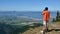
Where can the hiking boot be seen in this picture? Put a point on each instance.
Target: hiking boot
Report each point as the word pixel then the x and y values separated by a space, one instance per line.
pixel 46 30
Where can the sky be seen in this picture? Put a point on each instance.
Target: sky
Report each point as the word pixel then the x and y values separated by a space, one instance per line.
pixel 29 5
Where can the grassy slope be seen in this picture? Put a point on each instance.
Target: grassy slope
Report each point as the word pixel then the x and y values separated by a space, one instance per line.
pixel 54 30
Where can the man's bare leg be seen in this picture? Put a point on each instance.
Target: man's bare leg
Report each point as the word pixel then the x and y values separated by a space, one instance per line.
pixel 46 27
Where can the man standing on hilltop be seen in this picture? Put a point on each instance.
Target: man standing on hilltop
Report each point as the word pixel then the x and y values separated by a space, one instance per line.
pixel 46 17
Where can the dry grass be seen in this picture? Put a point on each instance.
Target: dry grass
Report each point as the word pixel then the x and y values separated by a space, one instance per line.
pixel 38 29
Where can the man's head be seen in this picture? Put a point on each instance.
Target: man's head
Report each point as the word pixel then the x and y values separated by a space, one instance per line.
pixel 46 8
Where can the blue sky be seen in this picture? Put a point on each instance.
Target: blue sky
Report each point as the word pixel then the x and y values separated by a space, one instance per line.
pixel 29 5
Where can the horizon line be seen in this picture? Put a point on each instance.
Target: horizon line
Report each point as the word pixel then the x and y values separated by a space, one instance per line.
pixel 34 11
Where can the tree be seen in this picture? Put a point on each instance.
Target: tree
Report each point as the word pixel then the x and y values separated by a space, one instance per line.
pixel 58 16
pixel 57 19
pixel 53 20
